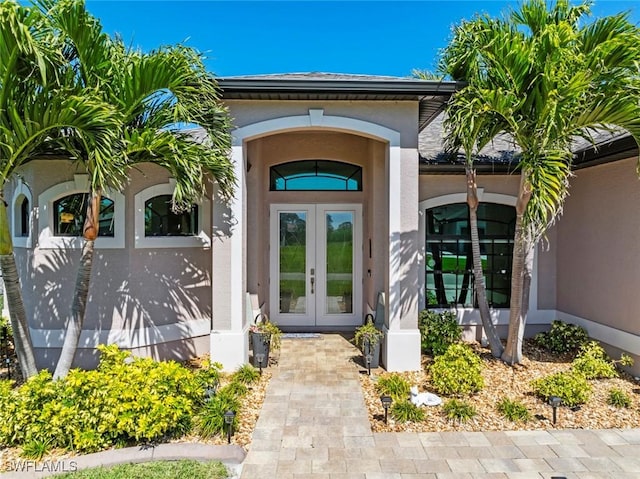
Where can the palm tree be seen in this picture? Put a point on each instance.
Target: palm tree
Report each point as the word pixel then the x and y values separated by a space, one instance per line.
pixel 35 108
pixel 542 77
pixel 453 144
pixel 159 95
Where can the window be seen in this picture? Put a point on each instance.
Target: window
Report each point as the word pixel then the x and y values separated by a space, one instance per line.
pixel 160 220
pixel 23 229
pixel 449 259
pixel 69 213
pixel 316 175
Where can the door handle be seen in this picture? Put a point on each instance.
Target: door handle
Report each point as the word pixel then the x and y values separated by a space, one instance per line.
pixel 313 279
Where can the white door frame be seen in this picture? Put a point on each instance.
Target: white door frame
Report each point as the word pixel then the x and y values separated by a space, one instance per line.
pixel 314 317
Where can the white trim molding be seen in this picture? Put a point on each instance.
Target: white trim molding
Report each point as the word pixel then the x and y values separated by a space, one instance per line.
pixel 22 191
pixel 80 184
pixel 201 240
pixel 125 338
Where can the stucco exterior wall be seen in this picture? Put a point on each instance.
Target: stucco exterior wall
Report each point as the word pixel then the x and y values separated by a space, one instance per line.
pixel 147 294
pixel 400 116
pixel 599 247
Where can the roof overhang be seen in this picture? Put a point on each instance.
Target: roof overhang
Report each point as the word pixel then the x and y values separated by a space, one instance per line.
pixel 431 95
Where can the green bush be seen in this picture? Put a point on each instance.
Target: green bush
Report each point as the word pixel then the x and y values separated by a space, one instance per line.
pixel 234 388
pixel 246 374
pixel 438 331
pixel 460 411
pixel 572 387
pixel 562 337
pixel 210 421
pixel 593 362
pixel 618 398
pixel 513 410
pixel 457 372
pixel 126 399
pixel 406 411
pixel 208 376
pixel 393 385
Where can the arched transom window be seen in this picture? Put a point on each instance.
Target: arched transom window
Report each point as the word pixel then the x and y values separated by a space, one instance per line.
pixel 316 175
pixel 449 259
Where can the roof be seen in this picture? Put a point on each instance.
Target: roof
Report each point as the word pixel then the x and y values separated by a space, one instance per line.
pixel 431 95
pixel 501 155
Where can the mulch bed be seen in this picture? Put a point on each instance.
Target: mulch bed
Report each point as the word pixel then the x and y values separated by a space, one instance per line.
pixel 501 381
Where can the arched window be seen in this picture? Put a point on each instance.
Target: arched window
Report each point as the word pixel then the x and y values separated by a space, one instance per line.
pixel 69 213
pixel 316 175
pixel 449 259
pixel 23 225
pixel 160 220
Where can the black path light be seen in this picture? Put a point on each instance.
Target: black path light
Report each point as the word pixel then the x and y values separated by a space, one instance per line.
pixel 554 402
pixel 228 420
pixel 386 403
pixel 368 358
pixel 260 359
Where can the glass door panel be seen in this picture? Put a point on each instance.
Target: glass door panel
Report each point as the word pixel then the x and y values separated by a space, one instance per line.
pixel 339 262
pixel 293 253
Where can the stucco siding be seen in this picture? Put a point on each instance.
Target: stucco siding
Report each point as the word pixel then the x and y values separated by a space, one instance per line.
pixel 599 247
pixel 399 116
pixel 135 290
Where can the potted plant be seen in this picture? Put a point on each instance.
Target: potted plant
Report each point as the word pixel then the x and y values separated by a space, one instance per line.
pixel 265 337
pixel 367 338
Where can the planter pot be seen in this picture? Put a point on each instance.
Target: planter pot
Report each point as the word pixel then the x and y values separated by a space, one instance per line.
pixel 261 343
pixel 375 351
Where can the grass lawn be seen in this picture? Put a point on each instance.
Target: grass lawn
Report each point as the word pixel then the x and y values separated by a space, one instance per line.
pixel 155 470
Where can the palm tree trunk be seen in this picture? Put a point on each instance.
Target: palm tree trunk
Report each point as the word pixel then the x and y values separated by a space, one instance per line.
pixel 521 245
pixel 481 293
pixel 13 295
pixel 81 293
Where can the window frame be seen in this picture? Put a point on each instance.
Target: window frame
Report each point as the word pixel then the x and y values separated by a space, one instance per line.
pixel 197 222
pixel 357 172
pixel 448 199
pixel 80 184
pixel 200 240
pixel 21 192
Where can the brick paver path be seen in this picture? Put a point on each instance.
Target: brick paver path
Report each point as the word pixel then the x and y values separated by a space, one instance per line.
pixel 314 425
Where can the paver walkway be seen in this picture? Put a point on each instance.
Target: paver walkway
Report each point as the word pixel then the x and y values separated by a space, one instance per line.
pixel 314 425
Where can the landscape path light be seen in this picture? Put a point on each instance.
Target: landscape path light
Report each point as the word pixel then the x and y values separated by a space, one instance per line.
pixel 386 403
pixel 228 420
pixel 260 359
pixel 554 402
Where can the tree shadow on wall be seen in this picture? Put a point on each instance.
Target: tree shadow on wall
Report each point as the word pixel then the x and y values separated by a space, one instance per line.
pixel 151 300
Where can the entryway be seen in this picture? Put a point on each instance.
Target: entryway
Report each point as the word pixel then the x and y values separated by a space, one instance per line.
pixel 316 265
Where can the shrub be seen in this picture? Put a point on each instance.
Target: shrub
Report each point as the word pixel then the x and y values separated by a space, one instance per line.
pixel 126 399
pixel 618 398
pixel 570 386
pixel 208 376
pixel 406 411
pixel 438 331
pixel 513 410
pixel 210 421
pixel 35 449
pixel 562 337
pixel 457 372
pixel 393 385
pixel 234 388
pixel 460 411
pixel 593 363
pixel 246 374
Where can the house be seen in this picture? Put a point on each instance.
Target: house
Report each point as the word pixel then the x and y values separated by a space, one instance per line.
pixel 345 206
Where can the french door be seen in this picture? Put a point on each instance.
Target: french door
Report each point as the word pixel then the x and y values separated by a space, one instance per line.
pixel 316 265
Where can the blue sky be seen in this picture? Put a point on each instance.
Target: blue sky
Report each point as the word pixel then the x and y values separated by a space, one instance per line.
pixel 242 37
